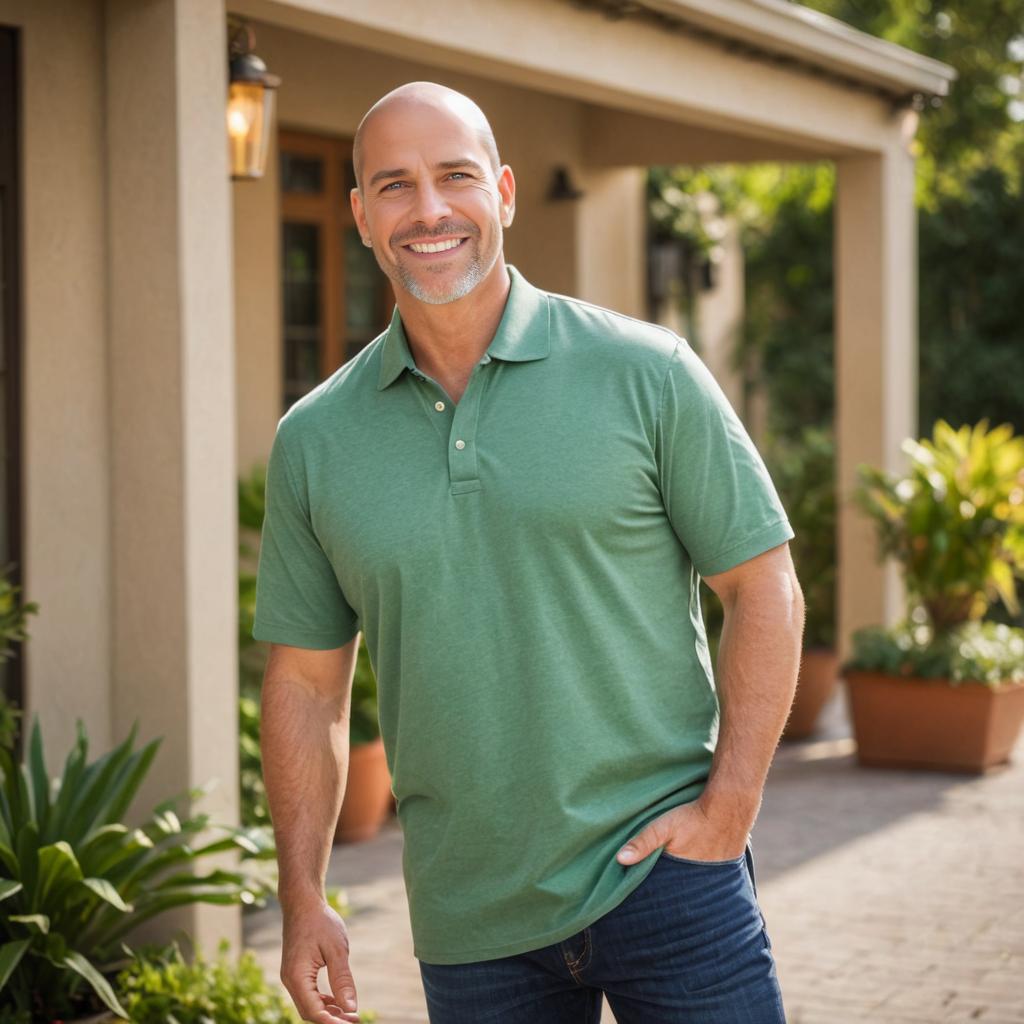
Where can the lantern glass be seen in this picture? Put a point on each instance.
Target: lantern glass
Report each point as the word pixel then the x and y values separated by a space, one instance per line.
pixel 249 116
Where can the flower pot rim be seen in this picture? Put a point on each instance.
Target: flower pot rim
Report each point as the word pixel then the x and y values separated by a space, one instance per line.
pixel 1003 684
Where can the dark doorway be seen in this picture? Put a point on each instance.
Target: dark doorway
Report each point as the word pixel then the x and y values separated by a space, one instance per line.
pixel 11 676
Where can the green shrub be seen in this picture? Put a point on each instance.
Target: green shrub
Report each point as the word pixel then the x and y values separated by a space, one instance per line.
pixel 982 652
pixel 74 880
pixel 161 987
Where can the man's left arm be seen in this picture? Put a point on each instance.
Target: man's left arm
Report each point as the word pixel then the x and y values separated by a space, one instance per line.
pixel 758 660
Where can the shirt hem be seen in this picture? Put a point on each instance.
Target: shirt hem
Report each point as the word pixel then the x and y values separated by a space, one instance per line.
pixel 641 871
pixel 769 536
pixel 272 633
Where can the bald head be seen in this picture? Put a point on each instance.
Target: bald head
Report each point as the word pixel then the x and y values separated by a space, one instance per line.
pixel 429 95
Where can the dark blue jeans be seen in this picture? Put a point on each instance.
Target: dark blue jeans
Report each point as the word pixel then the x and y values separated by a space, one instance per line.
pixel 687 945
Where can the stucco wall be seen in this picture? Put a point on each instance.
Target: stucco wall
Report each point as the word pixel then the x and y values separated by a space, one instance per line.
pixel 592 248
pixel 67 545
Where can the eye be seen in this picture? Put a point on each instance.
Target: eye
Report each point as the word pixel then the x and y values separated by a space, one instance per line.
pixel 392 186
pixel 458 174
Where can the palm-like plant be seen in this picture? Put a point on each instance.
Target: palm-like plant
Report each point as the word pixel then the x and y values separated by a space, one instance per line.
pixel 955 521
pixel 74 880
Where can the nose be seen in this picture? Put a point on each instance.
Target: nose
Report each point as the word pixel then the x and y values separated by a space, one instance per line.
pixel 431 205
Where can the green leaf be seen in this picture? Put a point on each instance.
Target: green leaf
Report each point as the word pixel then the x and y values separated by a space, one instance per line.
pixel 58 871
pixel 80 965
pixel 70 781
pixel 40 922
pixel 27 852
pixel 102 888
pixel 10 956
pixel 8 887
pixel 39 779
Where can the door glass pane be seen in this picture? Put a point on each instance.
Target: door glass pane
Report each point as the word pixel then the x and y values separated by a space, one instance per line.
pixel 365 294
pixel 302 174
pixel 303 325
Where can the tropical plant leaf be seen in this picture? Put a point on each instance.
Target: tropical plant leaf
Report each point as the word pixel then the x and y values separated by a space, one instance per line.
pixel 10 956
pixel 106 892
pixel 8 887
pixel 40 922
pixel 81 965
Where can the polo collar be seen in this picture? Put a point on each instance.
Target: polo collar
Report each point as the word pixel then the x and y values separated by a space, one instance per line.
pixel 522 334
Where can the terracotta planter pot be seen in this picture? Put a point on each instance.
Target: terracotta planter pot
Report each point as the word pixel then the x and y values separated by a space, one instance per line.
pixel 815 683
pixel 367 794
pixel 905 722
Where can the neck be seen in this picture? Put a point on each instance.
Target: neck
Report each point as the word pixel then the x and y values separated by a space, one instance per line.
pixel 447 341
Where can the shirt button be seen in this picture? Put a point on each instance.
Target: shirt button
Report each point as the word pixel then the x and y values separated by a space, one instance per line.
pixel 439 406
pixel 460 444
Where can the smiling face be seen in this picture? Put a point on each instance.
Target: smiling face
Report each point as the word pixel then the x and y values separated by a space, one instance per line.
pixel 430 200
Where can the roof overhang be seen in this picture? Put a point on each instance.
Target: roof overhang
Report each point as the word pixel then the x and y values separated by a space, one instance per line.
pixel 783 32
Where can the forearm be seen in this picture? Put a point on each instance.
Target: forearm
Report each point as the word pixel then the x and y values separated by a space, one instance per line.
pixel 758 660
pixel 304 742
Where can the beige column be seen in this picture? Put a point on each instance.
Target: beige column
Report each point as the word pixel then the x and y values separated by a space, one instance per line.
pixel 611 260
pixel 876 362
pixel 173 407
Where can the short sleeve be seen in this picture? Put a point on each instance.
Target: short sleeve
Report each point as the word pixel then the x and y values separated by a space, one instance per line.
pixel 717 491
pixel 298 599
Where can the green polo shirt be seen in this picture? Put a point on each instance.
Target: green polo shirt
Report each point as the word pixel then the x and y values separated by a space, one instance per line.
pixel 525 567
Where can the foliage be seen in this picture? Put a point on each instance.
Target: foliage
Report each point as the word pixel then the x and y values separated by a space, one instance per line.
pixel 9 715
pixel 13 615
pixel 982 652
pixel 364 722
pixel 972 277
pixel 804 473
pixel 954 521
pixel 254 808
pixel 251 507
pixel 74 879
pixel 160 986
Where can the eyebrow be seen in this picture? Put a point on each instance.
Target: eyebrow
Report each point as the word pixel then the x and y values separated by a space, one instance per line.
pixel 444 165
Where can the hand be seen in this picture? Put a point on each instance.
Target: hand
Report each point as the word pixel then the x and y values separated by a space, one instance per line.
pixel 686 831
pixel 315 936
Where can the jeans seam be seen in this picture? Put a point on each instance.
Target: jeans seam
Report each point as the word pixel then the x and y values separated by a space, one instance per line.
pixel 577 965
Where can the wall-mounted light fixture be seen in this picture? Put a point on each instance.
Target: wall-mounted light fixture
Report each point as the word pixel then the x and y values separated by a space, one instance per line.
pixel 562 186
pixel 250 111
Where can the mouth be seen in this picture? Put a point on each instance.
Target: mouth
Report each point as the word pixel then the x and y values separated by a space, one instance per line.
pixel 436 247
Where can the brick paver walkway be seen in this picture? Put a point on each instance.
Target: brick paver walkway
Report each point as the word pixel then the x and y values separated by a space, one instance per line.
pixel 892 897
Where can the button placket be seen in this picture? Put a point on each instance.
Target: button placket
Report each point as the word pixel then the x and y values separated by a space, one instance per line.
pixel 462 461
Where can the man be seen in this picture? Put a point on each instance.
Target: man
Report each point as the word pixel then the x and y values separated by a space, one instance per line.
pixel 514 496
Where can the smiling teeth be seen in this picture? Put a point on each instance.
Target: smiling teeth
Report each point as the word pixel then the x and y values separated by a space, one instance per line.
pixel 435 246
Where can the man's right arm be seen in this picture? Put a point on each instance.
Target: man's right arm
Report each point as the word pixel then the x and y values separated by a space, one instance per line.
pixel 304 742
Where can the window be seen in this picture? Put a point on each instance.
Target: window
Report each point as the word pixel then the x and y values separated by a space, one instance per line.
pixel 335 298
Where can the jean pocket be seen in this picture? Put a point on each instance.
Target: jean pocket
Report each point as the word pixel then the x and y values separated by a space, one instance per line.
pixel 704 863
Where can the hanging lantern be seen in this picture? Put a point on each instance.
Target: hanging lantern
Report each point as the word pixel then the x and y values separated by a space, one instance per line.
pixel 250 107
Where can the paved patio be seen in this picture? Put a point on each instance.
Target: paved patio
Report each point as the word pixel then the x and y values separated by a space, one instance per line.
pixel 892 897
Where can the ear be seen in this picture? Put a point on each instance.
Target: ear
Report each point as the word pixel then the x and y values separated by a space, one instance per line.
pixel 507 196
pixel 359 213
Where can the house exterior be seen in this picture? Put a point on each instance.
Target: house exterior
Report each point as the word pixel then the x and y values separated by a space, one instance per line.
pixel 157 317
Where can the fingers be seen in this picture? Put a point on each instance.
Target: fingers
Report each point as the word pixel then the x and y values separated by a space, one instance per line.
pixel 313 1005
pixel 341 981
pixel 331 1006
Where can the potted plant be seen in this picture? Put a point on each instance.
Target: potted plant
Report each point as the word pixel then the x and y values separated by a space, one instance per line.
pixel 368 795
pixel 804 473
pixel 944 688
